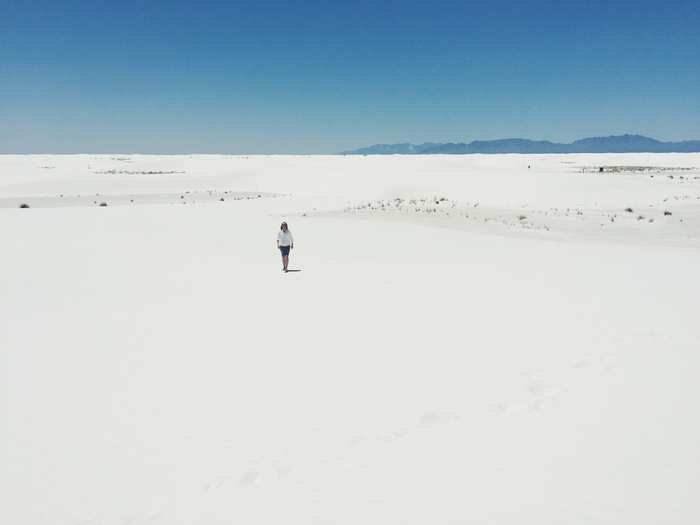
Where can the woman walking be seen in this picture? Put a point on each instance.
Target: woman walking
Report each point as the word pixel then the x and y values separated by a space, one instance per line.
pixel 285 242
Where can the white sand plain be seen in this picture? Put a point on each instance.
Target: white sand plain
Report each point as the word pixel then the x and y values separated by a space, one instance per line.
pixel 469 340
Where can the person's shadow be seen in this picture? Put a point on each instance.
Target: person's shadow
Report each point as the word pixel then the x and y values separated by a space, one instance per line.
pixel 290 271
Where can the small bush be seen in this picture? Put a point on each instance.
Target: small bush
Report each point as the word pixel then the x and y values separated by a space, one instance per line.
pixel 667 213
pixel 629 210
pixel 24 205
pixel 521 217
pixel 103 204
pixel 221 199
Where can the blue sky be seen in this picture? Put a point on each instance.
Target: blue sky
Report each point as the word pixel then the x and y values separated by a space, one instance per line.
pixel 320 77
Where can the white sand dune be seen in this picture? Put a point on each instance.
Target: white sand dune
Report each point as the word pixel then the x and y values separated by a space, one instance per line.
pixel 423 367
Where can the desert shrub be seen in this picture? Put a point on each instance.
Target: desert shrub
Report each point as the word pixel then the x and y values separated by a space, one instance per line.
pixel 103 204
pixel 24 205
pixel 667 213
pixel 521 217
pixel 629 210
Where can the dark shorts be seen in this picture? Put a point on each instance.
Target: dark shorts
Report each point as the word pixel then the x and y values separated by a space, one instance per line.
pixel 284 250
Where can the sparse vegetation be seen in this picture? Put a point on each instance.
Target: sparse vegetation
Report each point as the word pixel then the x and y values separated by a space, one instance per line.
pixel 127 172
pixel 633 169
pixel 24 205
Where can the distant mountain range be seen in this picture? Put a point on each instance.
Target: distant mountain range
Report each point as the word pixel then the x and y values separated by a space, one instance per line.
pixel 611 144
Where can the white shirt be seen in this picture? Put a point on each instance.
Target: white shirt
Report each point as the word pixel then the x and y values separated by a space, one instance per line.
pixel 285 238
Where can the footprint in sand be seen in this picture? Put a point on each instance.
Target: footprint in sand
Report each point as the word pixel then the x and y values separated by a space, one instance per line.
pixel 249 478
pixel 433 417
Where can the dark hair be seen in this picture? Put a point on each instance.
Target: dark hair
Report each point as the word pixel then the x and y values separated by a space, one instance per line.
pixel 283 225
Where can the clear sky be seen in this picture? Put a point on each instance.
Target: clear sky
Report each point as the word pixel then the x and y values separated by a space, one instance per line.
pixel 226 76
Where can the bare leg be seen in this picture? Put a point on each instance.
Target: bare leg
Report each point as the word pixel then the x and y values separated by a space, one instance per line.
pixel 285 262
